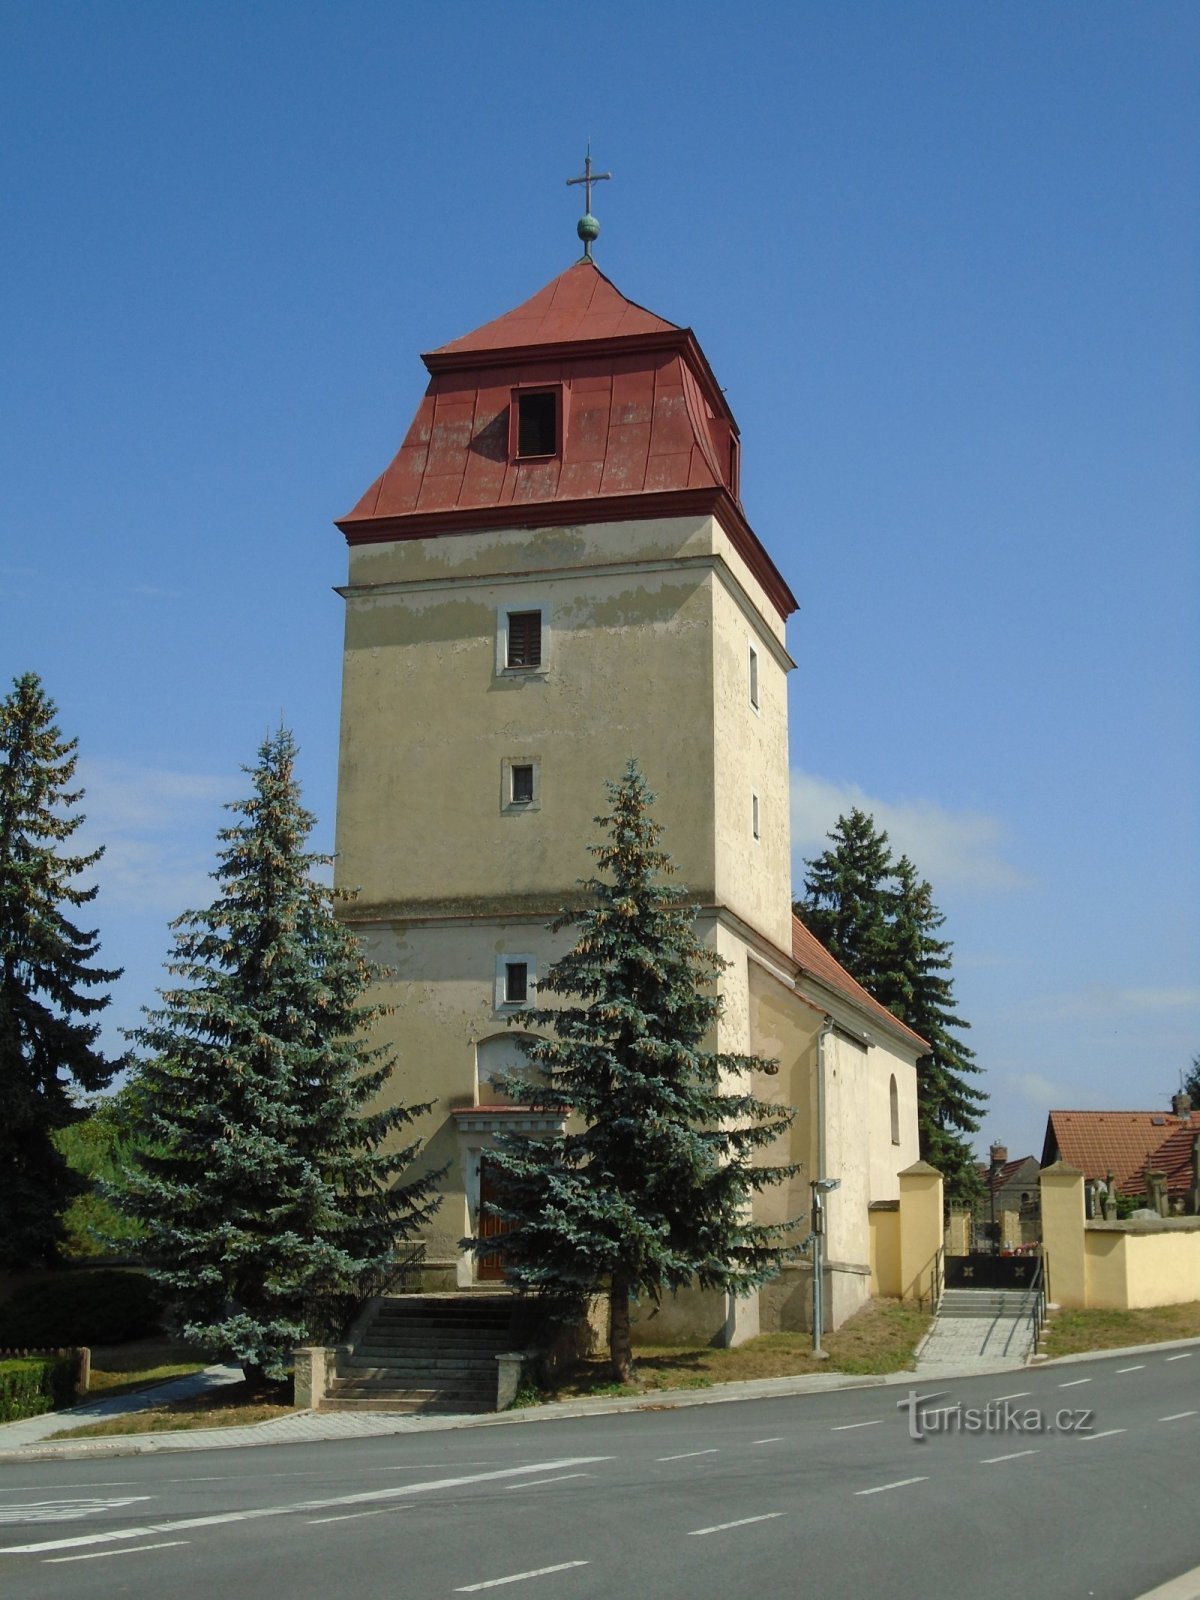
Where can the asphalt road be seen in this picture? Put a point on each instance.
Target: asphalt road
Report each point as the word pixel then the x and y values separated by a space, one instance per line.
pixel 825 1495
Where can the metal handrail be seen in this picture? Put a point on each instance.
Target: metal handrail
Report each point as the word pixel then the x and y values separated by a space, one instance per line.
pixel 1038 1290
pixel 939 1277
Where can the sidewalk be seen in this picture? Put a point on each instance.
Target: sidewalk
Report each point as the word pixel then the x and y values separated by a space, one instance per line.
pixel 311 1426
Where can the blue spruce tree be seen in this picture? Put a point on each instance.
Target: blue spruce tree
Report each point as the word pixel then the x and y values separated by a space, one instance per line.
pixel 264 1182
pixel 650 1189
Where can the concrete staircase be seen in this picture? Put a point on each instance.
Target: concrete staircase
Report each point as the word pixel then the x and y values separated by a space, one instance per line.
pixel 980 1328
pixel 423 1353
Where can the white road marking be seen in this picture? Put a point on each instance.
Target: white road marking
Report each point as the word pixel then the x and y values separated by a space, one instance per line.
pixel 33 1488
pixel 1185 1355
pixel 1107 1434
pixel 777 1440
pixel 920 1399
pixel 688 1454
pixel 1074 1383
pixel 353 1516
pixel 1178 1416
pixel 1139 1368
pixel 536 1482
pixel 900 1483
pixel 990 1461
pixel 66 1510
pixel 519 1577
pixel 96 1555
pixel 845 1427
pixel 1021 1394
pixel 1185 1587
pixel 364 1497
pixel 742 1522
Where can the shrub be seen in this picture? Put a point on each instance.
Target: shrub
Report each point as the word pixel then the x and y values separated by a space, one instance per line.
pixel 32 1385
pixel 80 1308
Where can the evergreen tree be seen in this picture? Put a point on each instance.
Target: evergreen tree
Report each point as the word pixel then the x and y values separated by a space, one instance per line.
pixel 650 1188
pixel 99 1147
pixel 47 1035
pixel 1191 1083
pixel 849 901
pixel 876 916
pixel 263 1184
pixel 921 994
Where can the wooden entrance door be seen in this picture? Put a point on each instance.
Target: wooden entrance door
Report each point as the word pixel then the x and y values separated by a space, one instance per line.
pixel 490 1269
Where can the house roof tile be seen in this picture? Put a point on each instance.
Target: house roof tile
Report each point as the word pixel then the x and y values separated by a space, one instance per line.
pixel 1100 1142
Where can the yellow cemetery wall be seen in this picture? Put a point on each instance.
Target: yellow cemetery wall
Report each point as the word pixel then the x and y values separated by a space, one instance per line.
pixel 885 1250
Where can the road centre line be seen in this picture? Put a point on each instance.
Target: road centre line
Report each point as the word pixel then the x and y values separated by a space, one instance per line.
pixel 95 1555
pixel 777 1440
pixel 845 1427
pixel 687 1454
pixel 900 1483
pixel 1074 1383
pixel 1185 1587
pixel 363 1497
pixel 990 1461
pixel 537 1482
pixel 920 1399
pixel 742 1522
pixel 1086 1438
pixel 1184 1355
pixel 1178 1416
pixel 42 1488
pixel 1021 1394
pixel 1139 1368
pixel 518 1577
pixel 353 1516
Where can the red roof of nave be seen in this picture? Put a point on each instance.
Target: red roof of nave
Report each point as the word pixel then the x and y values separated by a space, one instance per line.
pixel 648 432
pixel 808 952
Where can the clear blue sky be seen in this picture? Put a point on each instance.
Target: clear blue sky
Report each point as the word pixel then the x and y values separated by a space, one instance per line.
pixel 944 258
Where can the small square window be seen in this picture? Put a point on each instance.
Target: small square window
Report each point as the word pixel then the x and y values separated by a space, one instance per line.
pixel 524 639
pixel 754 677
pixel 522 785
pixel 537 422
pixel 754 814
pixel 516 983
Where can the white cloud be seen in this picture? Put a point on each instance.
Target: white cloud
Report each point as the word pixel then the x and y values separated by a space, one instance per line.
pixel 158 829
pixel 953 849
pixel 1043 1093
pixel 1099 1000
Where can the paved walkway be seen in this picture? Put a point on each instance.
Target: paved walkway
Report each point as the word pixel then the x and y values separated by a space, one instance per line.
pixel 31 1430
pixel 983 1343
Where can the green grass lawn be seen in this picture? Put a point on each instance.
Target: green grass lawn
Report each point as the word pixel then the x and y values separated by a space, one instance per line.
pixel 881 1338
pixel 122 1368
pixel 230 1406
pixel 1071 1333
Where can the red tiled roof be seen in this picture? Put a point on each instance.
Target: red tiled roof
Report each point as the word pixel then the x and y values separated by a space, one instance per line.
pixel 1100 1142
pixel 808 952
pixel 647 430
pixel 1173 1158
pixel 1003 1175
pixel 581 303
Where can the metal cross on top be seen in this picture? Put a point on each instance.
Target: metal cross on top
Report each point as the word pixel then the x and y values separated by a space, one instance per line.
pixel 587 227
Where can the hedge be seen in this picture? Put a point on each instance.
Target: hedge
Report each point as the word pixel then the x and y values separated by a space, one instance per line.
pixel 80 1308
pixel 31 1385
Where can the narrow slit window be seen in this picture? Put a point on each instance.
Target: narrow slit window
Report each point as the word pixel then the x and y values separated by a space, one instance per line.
pixel 754 814
pixel 894 1109
pixel 537 423
pixel 524 639
pixel 754 677
pixel 522 785
pixel 516 983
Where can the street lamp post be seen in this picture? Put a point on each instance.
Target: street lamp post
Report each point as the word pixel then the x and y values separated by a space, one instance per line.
pixel 820 1188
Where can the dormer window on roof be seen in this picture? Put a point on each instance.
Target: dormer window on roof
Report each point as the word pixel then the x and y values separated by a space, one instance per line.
pixel 535 425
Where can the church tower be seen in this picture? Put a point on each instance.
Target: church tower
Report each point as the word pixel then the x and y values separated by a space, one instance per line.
pixel 554 574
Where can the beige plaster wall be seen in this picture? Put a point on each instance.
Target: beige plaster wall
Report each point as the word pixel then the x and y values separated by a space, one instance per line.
pixel 1133 1266
pixel 428 721
pixel 784 1029
pixel 753 875
pixel 885 1251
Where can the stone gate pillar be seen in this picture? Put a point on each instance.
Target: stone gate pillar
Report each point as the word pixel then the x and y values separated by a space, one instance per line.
pixel 920 1230
pixel 1062 1234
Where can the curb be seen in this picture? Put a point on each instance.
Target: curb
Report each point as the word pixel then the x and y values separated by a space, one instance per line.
pixel 566 1410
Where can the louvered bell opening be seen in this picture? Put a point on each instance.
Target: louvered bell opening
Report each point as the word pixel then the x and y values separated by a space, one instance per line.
pixel 524 639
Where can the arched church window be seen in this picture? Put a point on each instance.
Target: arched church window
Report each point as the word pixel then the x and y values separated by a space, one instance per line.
pixel 894 1108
